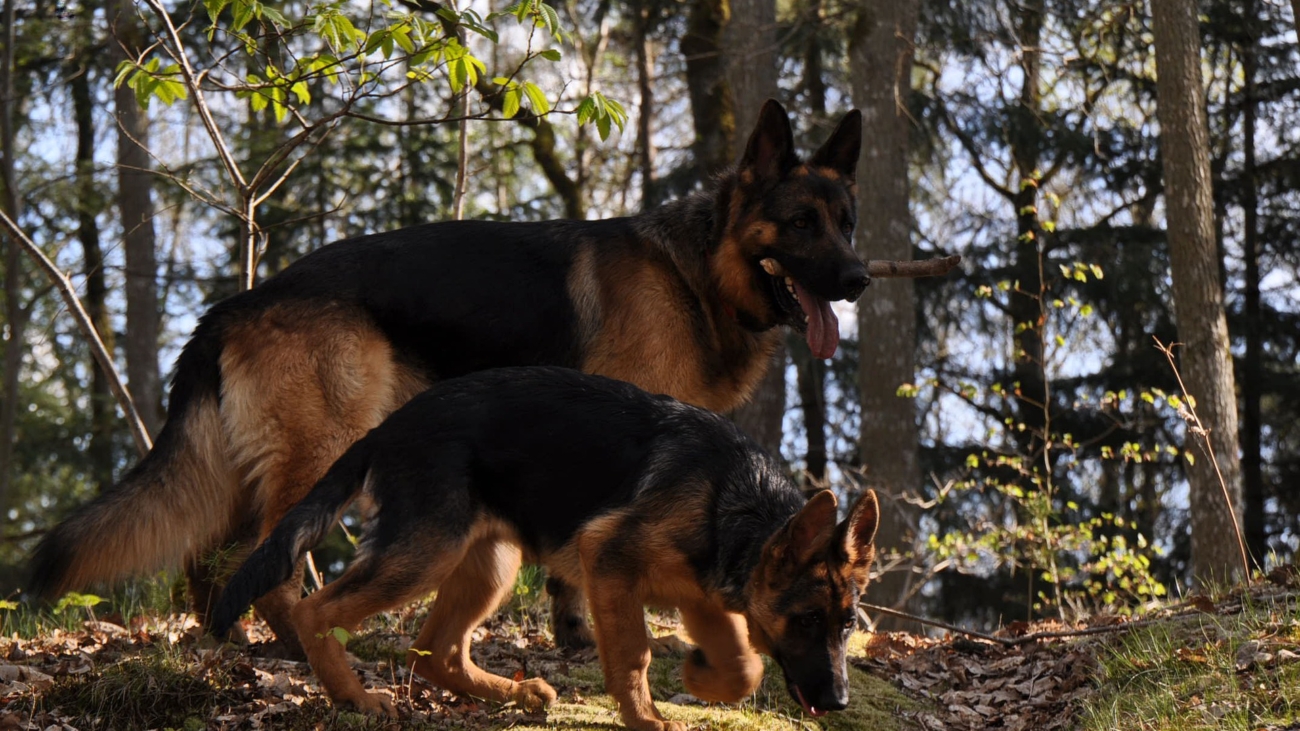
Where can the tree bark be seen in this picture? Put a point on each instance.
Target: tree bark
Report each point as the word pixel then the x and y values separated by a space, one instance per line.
pixel 645 150
pixel 1026 301
pixel 135 205
pixel 15 314
pixel 811 375
pixel 880 63
pixel 1252 472
pixel 100 449
pixel 1198 299
pixel 749 42
pixel 712 107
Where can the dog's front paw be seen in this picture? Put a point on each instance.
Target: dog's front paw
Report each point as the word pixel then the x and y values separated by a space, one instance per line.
pixel 376 704
pixel 653 724
pixel 727 684
pixel 534 694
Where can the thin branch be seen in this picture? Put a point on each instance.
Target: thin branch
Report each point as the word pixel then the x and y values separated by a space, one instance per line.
pixel 68 292
pixel 1194 424
pixel 200 101
pixel 1033 637
pixel 936 267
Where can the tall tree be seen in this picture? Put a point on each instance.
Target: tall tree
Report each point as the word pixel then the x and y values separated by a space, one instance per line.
pixel 750 50
pixel 1252 385
pixel 712 106
pixel 880 58
pixel 89 204
pixel 1198 296
pixel 135 205
pixel 16 315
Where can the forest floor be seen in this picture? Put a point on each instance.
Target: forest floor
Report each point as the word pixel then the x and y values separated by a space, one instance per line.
pixel 1230 662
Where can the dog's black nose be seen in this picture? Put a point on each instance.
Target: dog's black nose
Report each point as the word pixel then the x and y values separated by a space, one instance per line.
pixel 833 698
pixel 854 280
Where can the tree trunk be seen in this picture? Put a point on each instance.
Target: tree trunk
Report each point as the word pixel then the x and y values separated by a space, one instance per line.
pixel 15 314
pixel 1198 300
pixel 813 84
pixel 880 62
pixel 750 53
pixel 811 374
pixel 1252 472
pixel 645 150
pixel 100 449
pixel 1026 302
pixel 711 103
pixel 135 204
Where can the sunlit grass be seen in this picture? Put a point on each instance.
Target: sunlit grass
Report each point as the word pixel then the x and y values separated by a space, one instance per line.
pixel 1183 675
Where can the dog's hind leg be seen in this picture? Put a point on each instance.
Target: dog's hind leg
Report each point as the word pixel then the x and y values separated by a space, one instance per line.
pixel 465 598
pixel 723 668
pixel 300 385
pixel 402 572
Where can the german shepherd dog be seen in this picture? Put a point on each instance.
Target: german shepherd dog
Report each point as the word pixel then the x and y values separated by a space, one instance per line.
pixel 638 499
pixel 277 382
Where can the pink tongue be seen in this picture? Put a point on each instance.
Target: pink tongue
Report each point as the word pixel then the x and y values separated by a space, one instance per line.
pixel 823 325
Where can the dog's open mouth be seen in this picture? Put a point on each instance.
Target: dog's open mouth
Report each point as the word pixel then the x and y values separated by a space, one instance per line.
pixel 808 313
pixel 808 708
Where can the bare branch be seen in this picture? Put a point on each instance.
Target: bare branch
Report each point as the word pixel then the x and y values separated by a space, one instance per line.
pixel 937 267
pixel 66 290
pixel 178 54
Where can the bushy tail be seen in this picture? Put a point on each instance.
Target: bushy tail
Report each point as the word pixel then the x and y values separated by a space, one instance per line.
pixel 272 563
pixel 179 499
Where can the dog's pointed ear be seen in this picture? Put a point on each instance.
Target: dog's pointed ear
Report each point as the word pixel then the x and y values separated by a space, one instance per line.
pixel 810 528
pixel 857 536
pixel 842 149
pixel 770 152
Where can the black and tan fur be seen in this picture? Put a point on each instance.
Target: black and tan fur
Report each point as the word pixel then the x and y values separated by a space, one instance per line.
pixel 638 499
pixel 276 382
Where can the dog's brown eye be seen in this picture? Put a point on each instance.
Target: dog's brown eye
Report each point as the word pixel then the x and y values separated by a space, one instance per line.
pixel 801 222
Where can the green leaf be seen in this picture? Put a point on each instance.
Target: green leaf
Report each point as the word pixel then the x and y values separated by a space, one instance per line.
pixel 123 68
pixel 301 91
pixel 403 38
pixel 551 20
pixel 341 635
pixel 510 101
pixel 550 54
pixel 586 109
pixel 214 8
pixel 242 11
pixel 73 599
pixel 275 16
pixel 376 39
pixel 6 604
pixel 537 98
pixel 277 103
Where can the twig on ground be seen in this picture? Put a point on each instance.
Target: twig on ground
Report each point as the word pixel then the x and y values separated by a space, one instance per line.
pixel 1034 637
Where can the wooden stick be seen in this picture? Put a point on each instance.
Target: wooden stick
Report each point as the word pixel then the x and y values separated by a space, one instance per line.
pixel 936 267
